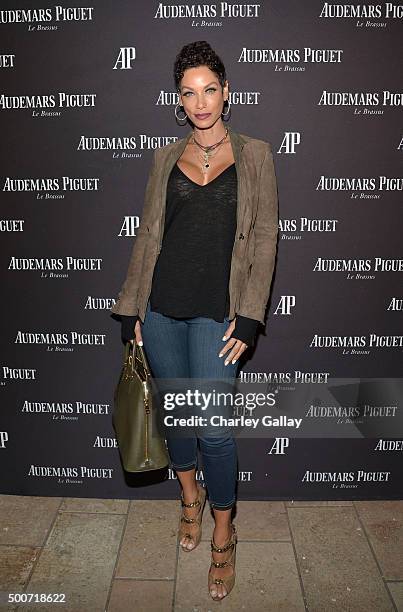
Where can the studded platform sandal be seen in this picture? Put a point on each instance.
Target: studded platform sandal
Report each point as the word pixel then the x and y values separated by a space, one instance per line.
pixel 197 520
pixel 228 581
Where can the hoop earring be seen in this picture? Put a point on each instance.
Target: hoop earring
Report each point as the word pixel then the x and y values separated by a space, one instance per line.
pixel 228 110
pixel 178 119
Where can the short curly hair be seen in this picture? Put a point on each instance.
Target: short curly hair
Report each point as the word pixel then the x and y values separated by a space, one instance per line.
pixel 198 53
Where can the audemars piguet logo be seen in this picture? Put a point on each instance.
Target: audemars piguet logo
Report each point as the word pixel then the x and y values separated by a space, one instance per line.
pixel 3 439
pixel 124 146
pixel 364 102
pixel 102 442
pixel 279 446
pixel 288 60
pixel 366 15
pixel 55 267
pixel 236 98
pixel 242 476
pixel 361 184
pixel 35 17
pixel 389 445
pixel 60 341
pixel 65 411
pixel 98 303
pixel 293 229
pixel 53 188
pixel 346 480
pixel 225 10
pixel 41 105
pixel 374 265
pixel 7 60
pixel 357 345
pixel 12 225
pixel 297 376
pixel 70 474
pixel 19 374
pixel 395 304
pixel 129 226
pixel 389 10
pixel 349 414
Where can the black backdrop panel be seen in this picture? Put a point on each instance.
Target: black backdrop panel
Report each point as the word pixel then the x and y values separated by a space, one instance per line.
pixel 86 94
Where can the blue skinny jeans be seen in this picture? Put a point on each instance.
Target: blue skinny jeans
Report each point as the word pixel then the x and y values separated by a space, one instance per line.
pixel 188 348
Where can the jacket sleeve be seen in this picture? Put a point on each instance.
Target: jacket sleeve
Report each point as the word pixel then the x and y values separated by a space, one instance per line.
pixel 256 294
pixel 126 302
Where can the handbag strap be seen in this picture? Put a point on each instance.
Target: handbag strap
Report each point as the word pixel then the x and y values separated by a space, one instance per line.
pixel 136 352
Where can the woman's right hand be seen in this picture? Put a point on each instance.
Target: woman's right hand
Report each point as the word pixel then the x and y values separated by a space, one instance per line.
pixel 131 330
pixel 137 334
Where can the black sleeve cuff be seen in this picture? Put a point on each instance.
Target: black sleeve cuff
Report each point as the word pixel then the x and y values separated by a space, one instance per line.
pixel 127 327
pixel 245 329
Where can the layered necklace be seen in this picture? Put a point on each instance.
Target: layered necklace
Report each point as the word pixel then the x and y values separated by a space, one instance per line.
pixel 207 152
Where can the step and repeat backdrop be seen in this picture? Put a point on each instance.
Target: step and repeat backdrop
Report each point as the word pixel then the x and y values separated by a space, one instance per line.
pixel 86 95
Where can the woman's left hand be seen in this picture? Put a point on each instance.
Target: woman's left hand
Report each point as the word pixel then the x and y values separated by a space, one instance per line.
pixel 237 346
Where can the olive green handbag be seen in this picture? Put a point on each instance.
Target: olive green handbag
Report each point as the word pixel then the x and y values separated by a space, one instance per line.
pixel 141 446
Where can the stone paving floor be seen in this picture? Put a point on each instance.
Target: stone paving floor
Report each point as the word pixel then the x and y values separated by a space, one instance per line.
pixel 122 555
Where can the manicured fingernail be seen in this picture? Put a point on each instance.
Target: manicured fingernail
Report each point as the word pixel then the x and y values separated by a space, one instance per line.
pixel 224 337
pixel 220 355
pixel 226 363
pixel 140 343
pixel 233 361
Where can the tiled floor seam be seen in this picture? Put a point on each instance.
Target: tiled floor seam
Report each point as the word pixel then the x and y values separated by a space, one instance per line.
pixel 347 504
pixel 117 556
pixel 97 513
pixel 241 540
pixel 385 582
pixel 49 531
pixel 141 579
pixel 176 565
pixel 301 584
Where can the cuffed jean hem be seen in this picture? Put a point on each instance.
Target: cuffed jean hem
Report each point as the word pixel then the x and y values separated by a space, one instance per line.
pixel 183 468
pixel 221 506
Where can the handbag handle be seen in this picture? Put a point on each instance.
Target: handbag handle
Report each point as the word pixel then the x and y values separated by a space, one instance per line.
pixel 136 352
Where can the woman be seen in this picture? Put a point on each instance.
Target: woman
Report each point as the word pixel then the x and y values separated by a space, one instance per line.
pixel 199 276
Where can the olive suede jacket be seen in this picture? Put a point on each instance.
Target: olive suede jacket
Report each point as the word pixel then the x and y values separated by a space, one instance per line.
pixel 255 244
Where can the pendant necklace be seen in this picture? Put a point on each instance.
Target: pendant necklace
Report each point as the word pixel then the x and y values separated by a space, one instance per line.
pixel 208 151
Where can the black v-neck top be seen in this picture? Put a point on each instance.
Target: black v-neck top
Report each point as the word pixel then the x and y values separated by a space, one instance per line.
pixel 191 275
